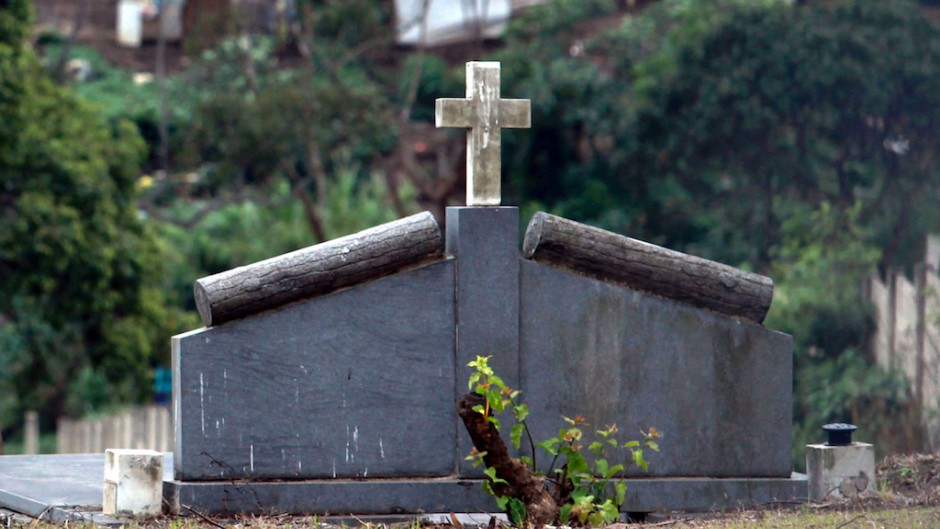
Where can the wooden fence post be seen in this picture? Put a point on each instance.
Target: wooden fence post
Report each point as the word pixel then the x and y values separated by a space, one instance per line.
pixel 920 283
pixel 60 436
pixel 145 427
pixel 31 434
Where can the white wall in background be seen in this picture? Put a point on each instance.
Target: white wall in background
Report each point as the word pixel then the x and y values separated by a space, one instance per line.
pixel 449 20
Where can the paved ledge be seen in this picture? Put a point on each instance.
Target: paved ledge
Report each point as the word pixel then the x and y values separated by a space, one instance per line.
pixel 59 488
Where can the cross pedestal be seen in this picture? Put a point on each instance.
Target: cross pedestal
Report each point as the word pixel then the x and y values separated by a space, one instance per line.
pixel 485 114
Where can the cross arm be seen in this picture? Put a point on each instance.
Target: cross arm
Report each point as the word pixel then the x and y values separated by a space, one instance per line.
pixel 450 112
pixel 515 113
pixel 458 113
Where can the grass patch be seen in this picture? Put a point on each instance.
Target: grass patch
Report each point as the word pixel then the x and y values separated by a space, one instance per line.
pixel 807 517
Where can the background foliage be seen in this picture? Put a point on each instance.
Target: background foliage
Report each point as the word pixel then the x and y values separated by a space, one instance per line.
pixel 793 139
pixel 81 312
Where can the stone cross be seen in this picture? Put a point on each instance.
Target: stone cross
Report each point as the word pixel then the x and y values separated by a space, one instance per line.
pixel 484 113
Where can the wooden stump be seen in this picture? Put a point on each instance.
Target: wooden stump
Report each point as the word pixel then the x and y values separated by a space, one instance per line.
pixel 541 508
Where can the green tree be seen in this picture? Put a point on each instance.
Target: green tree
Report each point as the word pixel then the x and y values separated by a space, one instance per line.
pixel 296 129
pixel 775 105
pixel 303 125
pixel 80 308
pixel 701 125
pixel 563 162
pixel 795 139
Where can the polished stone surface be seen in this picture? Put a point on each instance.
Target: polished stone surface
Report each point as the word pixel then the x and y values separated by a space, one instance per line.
pixel 354 384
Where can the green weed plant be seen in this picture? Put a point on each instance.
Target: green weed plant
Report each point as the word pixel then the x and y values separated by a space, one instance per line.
pixel 590 492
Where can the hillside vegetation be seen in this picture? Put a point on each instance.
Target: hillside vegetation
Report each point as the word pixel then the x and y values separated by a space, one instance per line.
pixel 794 139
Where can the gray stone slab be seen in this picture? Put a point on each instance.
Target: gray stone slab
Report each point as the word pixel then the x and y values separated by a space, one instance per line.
pixel 69 487
pixel 358 383
pixel 58 488
pixel 337 497
pixel 718 389
pixel 709 495
pixel 376 497
pixel 485 241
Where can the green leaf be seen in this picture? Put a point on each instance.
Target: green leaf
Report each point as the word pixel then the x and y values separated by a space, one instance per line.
pixel 613 471
pixel 550 446
pixel 653 445
pixel 496 402
pixel 601 466
pixel 596 447
pixel 491 473
pixel 517 512
pixel 495 422
pixel 521 411
pixel 639 460
pixel 596 519
pixel 620 488
pixel 576 463
pixel 515 435
pixel 611 512
pixel 502 502
pixel 631 444
pixel 579 494
pixel 564 514
pixel 498 382
pixel 488 488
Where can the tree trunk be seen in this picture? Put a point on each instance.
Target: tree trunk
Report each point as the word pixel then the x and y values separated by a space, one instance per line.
pixel 523 485
pixel 646 267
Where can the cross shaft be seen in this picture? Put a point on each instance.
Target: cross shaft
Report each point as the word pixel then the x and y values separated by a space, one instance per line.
pixel 485 114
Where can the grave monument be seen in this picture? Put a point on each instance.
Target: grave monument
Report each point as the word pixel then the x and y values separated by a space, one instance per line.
pixel 325 380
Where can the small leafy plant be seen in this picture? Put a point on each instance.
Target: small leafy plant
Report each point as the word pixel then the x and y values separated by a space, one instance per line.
pixel 586 493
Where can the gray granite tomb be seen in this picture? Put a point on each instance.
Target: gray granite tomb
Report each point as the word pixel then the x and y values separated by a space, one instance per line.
pixel 325 380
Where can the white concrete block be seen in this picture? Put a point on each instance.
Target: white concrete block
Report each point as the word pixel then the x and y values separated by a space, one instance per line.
pixel 841 472
pixel 133 482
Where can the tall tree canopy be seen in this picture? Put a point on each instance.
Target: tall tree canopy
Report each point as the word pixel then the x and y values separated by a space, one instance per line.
pixel 776 107
pixel 80 314
pixel 705 125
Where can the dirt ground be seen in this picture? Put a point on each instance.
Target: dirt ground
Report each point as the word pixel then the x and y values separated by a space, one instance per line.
pixel 913 479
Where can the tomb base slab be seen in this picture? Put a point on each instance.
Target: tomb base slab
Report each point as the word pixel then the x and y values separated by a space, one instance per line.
pixel 375 496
